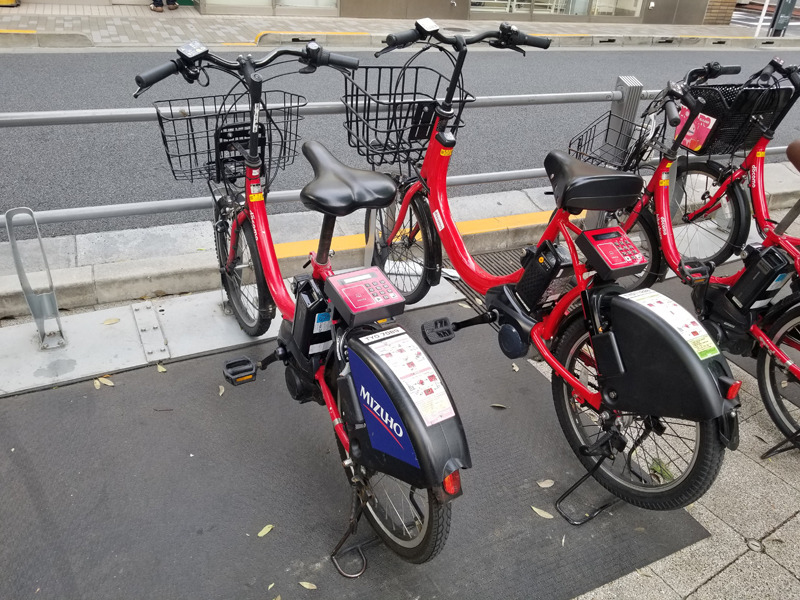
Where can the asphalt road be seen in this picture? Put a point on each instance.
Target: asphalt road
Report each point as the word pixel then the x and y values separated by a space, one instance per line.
pixel 73 166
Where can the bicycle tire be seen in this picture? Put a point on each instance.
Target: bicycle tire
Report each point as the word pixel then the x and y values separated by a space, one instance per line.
pixel 780 392
pixel 644 234
pixel 431 524
pixel 246 286
pixel 415 255
pixel 718 236
pixel 647 475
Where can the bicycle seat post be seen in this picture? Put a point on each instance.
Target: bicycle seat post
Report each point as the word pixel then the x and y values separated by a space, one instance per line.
pixel 325 239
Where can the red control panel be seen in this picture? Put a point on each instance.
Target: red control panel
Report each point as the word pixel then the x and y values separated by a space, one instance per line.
pixel 364 295
pixel 611 252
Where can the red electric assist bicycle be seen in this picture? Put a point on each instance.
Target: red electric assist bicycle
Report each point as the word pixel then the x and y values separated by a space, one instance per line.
pixel 651 431
pixel 743 312
pixel 398 431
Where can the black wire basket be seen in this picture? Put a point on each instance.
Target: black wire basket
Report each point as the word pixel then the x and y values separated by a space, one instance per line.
pixel 740 115
pixel 606 141
pixel 390 112
pixel 201 134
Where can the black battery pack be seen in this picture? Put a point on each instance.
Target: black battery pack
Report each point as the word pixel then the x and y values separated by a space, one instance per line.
pixel 311 329
pixel 542 265
pixel 766 272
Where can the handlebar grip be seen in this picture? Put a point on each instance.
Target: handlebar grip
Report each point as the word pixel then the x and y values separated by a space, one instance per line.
pixel 155 75
pixel 404 37
pixel 523 39
pixel 338 60
pixel 794 78
pixel 766 73
pixel 730 70
pixel 673 115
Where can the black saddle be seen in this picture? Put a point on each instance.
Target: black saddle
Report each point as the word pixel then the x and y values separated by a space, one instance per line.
pixel 338 190
pixel 581 186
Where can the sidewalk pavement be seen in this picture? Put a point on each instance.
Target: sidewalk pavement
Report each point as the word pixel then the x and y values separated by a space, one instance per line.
pixel 61 25
pixel 753 501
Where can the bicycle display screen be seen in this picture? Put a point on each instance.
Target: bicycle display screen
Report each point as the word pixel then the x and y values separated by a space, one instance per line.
pixel 611 252
pixel 364 295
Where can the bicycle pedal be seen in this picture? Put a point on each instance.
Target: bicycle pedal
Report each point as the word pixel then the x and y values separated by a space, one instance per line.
pixel 438 331
pixel 239 371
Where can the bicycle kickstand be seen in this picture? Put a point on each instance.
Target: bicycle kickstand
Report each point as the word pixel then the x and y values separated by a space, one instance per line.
pixel 789 443
pixel 356 510
pixel 593 450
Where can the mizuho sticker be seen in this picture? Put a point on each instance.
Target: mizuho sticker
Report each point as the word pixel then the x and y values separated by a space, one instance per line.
pixel 446 151
pixel 257 198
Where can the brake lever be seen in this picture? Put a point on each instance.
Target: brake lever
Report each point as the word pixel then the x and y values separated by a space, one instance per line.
pixel 503 45
pixel 308 69
pixel 141 91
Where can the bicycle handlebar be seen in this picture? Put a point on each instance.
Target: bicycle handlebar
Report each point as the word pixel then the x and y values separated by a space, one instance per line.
pixel 507 36
pixel 192 55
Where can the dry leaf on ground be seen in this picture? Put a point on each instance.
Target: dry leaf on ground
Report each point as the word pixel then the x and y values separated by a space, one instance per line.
pixel 106 381
pixel 542 513
pixel 96 384
pixel 110 321
pixel 498 406
pixel 307 585
pixel 161 369
pixel 514 367
pixel 545 483
pixel 265 531
pixel 221 390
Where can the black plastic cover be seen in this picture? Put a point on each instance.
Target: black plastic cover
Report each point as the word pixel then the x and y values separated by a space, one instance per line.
pixel 662 374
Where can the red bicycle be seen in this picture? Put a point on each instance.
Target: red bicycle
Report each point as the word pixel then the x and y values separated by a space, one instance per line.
pixel 745 312
pixel 399 434
pixel 652 432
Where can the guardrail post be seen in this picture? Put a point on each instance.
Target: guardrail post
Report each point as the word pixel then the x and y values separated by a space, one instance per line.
pixel 43 305
pixel 623 114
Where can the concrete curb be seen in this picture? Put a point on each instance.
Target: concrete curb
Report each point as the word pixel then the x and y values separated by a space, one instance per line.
pixel 34 39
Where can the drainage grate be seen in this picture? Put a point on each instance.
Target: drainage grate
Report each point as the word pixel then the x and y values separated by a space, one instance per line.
pixel 494 263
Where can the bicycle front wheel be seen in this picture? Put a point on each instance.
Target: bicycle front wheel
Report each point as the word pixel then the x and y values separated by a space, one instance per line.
pixel 666 463
pixel 243 279
pixel 721 230
pixel 413 255
pixel 780 390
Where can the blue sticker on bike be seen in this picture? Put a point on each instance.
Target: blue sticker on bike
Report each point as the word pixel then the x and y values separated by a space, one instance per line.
pixel 387 432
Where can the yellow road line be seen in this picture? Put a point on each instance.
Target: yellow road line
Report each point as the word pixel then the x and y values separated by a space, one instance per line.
pixel 17 31
pixel 356 242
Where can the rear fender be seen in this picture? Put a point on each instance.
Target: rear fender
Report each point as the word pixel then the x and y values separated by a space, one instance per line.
pixel 402 418
pixel 655 358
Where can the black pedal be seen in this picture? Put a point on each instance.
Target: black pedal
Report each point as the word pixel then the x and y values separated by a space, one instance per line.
pixel 239 371
pixel 696 273
pixel 438 331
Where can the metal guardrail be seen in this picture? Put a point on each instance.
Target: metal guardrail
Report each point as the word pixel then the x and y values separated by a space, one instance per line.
pixel 619 96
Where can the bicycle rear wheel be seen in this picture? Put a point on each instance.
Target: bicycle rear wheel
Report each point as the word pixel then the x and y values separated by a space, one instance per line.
pixel 780 390
pixel 414 255
pixel 243 280
pixel 721 231
pixel 666 464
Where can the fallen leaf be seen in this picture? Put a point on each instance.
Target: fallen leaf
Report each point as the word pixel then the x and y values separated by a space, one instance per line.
pixel 278 597
pixel 161 368
pixel 265 531
pixel 498 406
pixel 639 529
pixel 542 513
pixel 478 300
pixel 221 390
pixel 201 249
pixel 545 483
pixel 110 321
pixel 563 539
pixel 308 586
pixel 464 305
pixel 271 585
pixel 514 367
pixel 106 381
pixel 96 384
pixel 642 573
